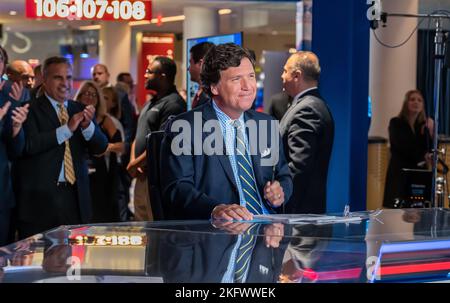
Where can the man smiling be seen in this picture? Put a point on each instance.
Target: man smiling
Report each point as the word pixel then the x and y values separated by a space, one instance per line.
pixel 232 185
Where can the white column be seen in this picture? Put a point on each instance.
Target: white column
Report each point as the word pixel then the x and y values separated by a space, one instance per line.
pixel 392 71
pixel 115 45
pixel 199 22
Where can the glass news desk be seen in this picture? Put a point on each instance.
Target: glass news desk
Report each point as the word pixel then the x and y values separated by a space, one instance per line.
pixel 407 245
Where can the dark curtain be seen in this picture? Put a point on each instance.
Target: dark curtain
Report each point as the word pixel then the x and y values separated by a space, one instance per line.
pixel 425 80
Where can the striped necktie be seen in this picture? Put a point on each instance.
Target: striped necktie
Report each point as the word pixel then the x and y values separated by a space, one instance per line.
pixel 244 254
pixel 69 173
pixel 245 172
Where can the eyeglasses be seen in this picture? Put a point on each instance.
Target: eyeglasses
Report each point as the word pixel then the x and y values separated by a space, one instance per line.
pixel 88 94
pixel 149 71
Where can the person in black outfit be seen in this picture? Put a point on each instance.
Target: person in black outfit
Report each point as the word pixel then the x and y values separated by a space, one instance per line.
pixel 104 180
pixel 410 138
pixel 196 54
pixel 160 77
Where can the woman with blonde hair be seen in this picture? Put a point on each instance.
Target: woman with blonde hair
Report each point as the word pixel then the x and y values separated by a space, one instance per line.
pixel 410 135
pixel 104 179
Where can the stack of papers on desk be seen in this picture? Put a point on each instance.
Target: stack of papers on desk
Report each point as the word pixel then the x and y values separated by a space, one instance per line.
pixel 308 218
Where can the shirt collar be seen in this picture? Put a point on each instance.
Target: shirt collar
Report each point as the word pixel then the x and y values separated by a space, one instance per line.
pixel 54 102
pixel 300 94
pixel 224 117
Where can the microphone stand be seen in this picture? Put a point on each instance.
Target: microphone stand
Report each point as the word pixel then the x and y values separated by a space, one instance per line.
pixel 438 66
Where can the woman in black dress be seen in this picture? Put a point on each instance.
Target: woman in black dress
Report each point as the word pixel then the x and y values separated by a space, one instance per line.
pixel 103 178
pixel 410 138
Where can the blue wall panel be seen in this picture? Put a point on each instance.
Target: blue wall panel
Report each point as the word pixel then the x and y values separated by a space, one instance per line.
pixel 341 40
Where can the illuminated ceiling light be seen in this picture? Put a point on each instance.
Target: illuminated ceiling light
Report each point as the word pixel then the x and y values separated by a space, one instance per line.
pixel 12 13
pixel 90 27
pixel 156 20
pixel 136 23
pixel 171 19
pixel 224 11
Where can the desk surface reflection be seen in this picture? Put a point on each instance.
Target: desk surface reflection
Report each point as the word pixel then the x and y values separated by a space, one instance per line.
pixel 407 245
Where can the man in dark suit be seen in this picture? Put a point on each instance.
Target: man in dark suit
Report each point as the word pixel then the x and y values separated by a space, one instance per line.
pixel 307 131
pixel 52 176
pixel 196 54
pixel 224 181
pixel 12 142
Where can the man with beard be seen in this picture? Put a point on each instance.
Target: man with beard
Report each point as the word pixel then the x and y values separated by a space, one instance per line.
pixel 160 77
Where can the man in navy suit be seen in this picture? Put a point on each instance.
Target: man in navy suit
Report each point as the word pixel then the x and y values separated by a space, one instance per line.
pixel 12 142
pixel 234 178
pixel 52 175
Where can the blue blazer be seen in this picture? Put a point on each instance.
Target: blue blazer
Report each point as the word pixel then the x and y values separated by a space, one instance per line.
pixel 9 149
pixel 192 185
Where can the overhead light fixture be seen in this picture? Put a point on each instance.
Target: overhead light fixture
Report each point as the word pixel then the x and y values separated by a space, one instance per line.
pixel 90 27
pixel 156 20
pixel 12 13
pixel 224 11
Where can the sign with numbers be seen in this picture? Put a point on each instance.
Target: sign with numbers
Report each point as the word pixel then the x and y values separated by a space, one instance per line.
pixel 123 10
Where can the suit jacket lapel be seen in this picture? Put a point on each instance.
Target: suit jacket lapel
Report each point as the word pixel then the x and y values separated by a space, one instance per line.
pixel 209 114
pixel 48 109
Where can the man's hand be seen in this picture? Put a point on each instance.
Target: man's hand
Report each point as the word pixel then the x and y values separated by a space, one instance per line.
pixel 19 115
pixel 273 192
pixel 118 148
pixel 135 170
pixel 273 234
pixel 231 212
pixel 88 115
pixel 232 227
pixel 4 110
pixel 75 121
pixel 16 91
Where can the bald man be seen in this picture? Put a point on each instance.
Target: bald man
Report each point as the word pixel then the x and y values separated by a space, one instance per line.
pixel 22 73
pixel 307 131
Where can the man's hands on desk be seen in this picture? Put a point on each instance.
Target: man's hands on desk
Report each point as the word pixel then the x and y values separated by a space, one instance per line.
pixel 273 233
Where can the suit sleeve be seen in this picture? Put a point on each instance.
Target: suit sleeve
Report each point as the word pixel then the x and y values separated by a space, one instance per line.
pixel 177 183
pixel 303 140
